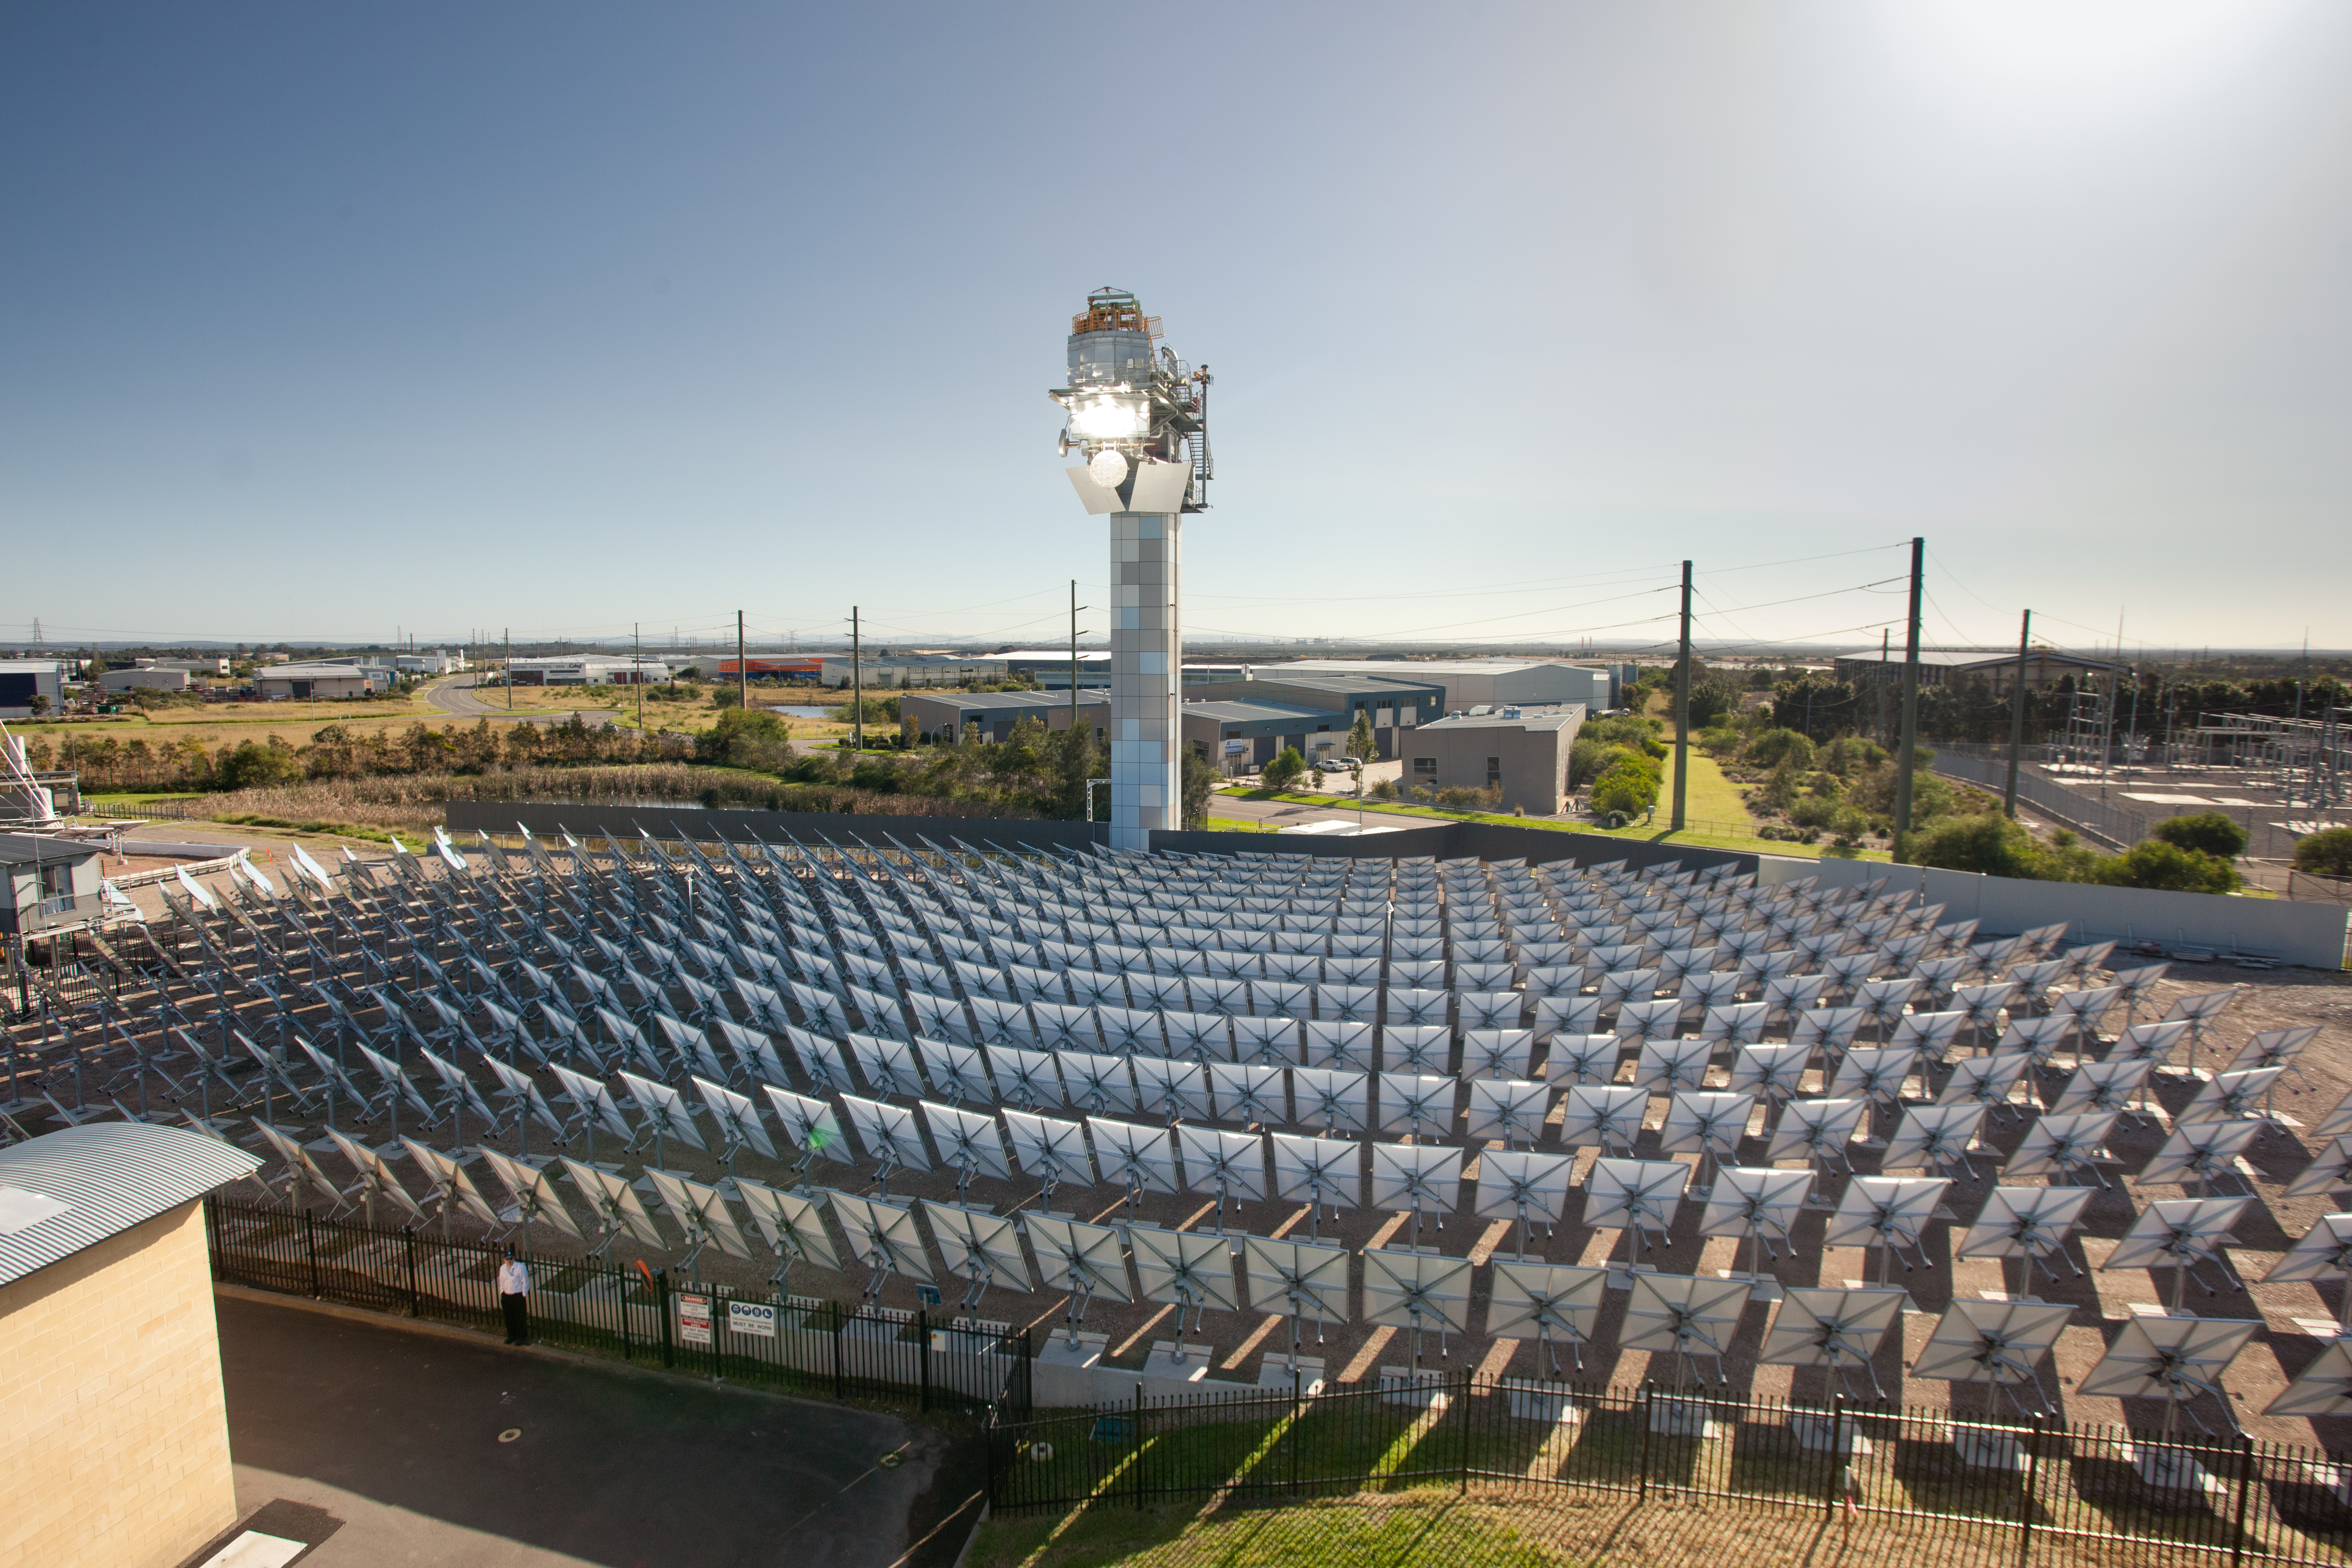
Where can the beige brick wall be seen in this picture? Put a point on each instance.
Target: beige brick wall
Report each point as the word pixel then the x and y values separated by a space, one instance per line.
pixel 113 1428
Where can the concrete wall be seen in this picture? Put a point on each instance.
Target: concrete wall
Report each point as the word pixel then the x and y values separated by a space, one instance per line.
pixel 2308 934
pixel 113 1427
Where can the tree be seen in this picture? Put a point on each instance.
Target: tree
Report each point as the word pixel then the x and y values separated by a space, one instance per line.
pixel 1285 769
pixel 2326 854
pixel 2208 831
pixel 1711 698
pixel 1768 747
pixel 743 738
pixel 1198 776
pixel 255 766
pixel 1361 744
pixel 2153 863
pixel 1989 844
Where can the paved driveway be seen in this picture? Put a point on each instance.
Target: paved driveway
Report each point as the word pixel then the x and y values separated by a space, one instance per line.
pixel 382 1444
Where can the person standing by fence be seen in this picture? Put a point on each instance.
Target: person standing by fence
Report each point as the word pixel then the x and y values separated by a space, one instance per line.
pixel 514 1285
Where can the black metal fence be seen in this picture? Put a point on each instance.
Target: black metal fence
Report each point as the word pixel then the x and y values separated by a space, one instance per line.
pixel 2234 1498
pixel 794 1345
pixel 1986 767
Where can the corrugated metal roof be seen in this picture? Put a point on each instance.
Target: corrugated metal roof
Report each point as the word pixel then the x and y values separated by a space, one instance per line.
pixel 110 1176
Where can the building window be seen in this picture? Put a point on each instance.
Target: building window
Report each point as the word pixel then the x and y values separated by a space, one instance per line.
pixel 1493 771
pixel 1424 767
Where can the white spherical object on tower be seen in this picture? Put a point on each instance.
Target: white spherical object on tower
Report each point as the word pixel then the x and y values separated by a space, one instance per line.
pixel 1108 467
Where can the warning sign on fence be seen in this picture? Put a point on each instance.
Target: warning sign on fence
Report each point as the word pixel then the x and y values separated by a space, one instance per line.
pixel 694 1319
pixel 752 1317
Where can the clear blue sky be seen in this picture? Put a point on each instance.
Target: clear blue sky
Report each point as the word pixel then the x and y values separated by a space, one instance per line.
pixel 324 320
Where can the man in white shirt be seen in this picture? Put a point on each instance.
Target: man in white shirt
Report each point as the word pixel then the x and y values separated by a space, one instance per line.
pixel 514 1285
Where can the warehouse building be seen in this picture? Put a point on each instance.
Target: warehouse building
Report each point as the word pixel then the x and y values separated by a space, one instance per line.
pixel 22 679
pixel 585 669
pixel 1470 683
pixel 311 680
pixel 143 680
pixel 1243 737
pixel 949 718
pixel 1522 752
pixel 1394 704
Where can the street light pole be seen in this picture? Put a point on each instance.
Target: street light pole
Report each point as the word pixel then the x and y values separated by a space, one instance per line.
pixel 857 688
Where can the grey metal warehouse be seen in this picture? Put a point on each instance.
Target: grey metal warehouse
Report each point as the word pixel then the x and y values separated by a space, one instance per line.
pixel 1242 737
pixel 1468 682
pixel 949 717
pixel 1395 704
pixel 1523 751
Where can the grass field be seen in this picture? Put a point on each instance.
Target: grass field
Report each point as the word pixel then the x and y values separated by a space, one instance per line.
pixel 1719 817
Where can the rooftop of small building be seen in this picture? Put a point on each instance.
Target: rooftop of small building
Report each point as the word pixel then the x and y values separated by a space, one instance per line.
pixel 1243 712
pixel 1557 716
pixel 1087 698
pixel 66 1192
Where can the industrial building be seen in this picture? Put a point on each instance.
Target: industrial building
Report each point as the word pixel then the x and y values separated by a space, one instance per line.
pixel 312 679
pixel 432 661
pixel 1522 752
pixel 22 679
pixel 2044 668
pixel 215 666
pixel 1394 704
pixel 585 669
pixel 947 717
pixel 807 669
pixel 1050 666
pixel 1469 683
pixel 143 680
pixel 50 882
pixel 113 1421
pixel 1243 737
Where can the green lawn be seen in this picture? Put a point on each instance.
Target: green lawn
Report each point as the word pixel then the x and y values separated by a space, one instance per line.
pixel 1718 818
pixel 1437 1532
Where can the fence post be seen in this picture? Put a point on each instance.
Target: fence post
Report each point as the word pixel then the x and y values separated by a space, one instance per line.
pixel 1463 1490
pixel 1139 1446
pixel 2245 1488
pixel 923 1346
pixel 2031 1488
pixel 840 1382
pixel 661 1301
pixel 1290 1439
pixel 628 1352
pixel 415 1297
pixel 311 1249
pixel 1641 1493
pixel 1837 1452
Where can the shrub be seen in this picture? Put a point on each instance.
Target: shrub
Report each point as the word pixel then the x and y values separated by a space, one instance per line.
pixel 252 766
pixel 2153 863
pixel 2208 831
pixel 2326 854
pixel 1384 790
pixel 1990 843
pixel 1285 769
pixel 1626 790
pixel 1771 746
pixel 1718 742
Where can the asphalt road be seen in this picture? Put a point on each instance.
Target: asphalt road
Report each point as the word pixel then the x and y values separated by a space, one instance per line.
pixel 381 1443
pixel 455 694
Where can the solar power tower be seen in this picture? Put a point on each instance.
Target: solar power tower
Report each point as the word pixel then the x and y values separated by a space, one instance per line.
pixel 1139 417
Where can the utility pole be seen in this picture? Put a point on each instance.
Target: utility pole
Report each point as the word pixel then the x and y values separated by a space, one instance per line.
pixel 1905 759
pixel 857 686
pixel 1682 713
pixel 1074 655
pixel 742 670
pixel 509 634
pixel 1883 734
pixel 637 671
pixel 2017 716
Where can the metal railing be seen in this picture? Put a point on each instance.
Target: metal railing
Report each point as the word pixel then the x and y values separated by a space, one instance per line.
pixel 640 1315
pixel 2232 1498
